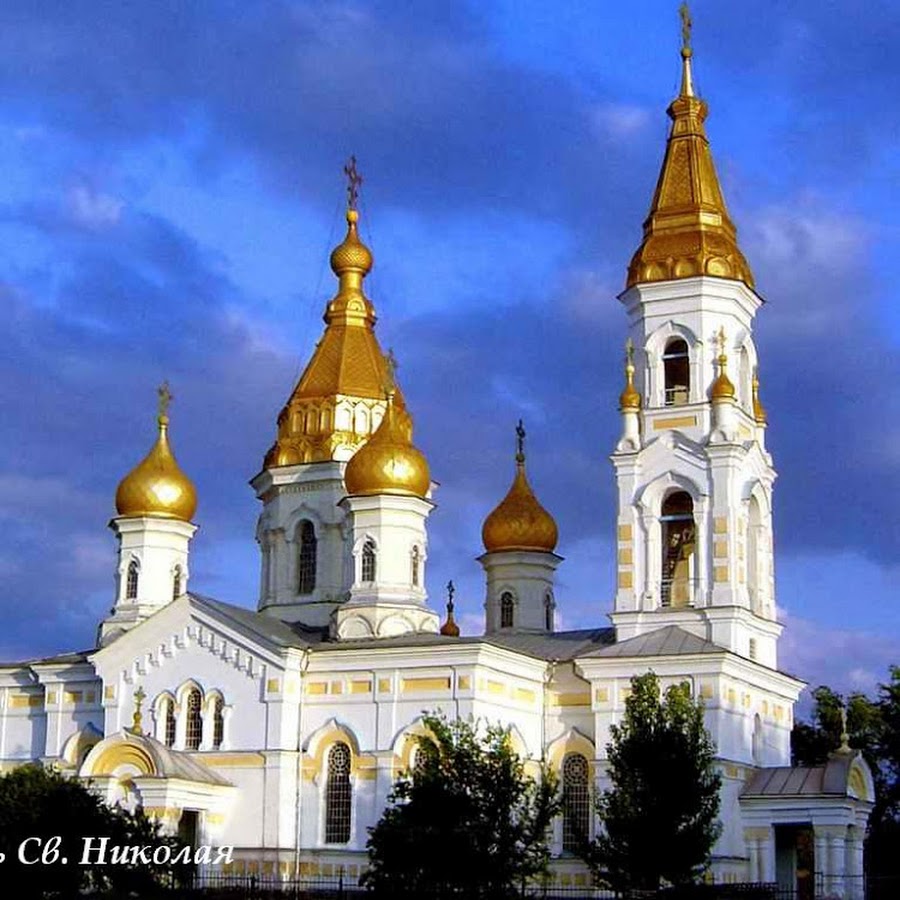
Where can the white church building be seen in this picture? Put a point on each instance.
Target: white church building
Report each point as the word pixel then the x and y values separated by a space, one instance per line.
pixel 280 730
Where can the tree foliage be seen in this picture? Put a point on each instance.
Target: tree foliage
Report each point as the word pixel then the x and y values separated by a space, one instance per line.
pixel 660 815
pixel 36 802
pixel 467 820
pixel 873 726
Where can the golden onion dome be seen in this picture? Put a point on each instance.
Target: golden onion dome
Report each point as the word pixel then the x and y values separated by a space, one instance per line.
pixel 388 463
pixel 351 255
pixel 759 411
pixel 519 522
pixel 630 398
pixel 156 486
pixel 722 388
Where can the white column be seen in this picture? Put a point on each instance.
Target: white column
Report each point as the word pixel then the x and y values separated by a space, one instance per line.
pixel 767 856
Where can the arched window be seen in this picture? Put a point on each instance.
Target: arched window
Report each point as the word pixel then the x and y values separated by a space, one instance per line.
pixel 548 612
pixel 169 713
pixel 754 542
pixel 218 722
pixel 176 583
pixel 306 558
pixel 677 369
pixel 131 581
pixel 193 732
pixel 678 544
pixel 338 796
pixel 507 610
pixel 576 803
pixel 368 561
pixel 414 567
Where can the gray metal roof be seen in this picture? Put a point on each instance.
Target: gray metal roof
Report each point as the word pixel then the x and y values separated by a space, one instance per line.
pixel 669 641
pixel 74 658
pixel 830 778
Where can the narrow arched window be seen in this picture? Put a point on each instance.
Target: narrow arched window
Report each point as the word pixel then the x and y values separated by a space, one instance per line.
pixel 193 731
pixel 756 748
pixel 754 556
pixel 507 610
pixel 576 803
pixel 306 558
pixel 368 561
pixel 176 583
pixel 131 581
pixel 338 796
pixel 678 544
pixel 677 370
pixel 548 612
pixel 414 567
pixel 169 713
pixel 218 722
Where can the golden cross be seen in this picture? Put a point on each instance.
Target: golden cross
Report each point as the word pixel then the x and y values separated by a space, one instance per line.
pixel 629 352
pixel 686 25
pixel 165 398
pixel 354 180
pixel 720 339
pixel 520 442
pixel 139 696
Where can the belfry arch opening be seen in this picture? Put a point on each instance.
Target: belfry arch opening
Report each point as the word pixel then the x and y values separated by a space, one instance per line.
pixel 676 373
pixel 679 540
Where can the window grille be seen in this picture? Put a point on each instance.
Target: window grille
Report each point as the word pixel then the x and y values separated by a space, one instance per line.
pixel 678 543
pixel 193 732
pixel 338 796
pixel 368 561
pixel 170 723
pixel 218 722
pixel 507 610
pixel 677 370
pixel 131 583
pixel 414 575
pixel 176 583
pixel 306 559
pixel 576 803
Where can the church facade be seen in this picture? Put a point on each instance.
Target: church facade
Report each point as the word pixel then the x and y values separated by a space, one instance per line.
pixel 280 731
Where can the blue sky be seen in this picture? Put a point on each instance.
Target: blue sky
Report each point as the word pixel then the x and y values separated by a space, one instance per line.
pixel 172 188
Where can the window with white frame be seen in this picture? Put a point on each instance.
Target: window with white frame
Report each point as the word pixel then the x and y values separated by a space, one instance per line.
pixel 306 558
pixel 338 795
pixel 576 803
pixel 131 580
pixel 193 730
pixel 507 609
pixel 368 561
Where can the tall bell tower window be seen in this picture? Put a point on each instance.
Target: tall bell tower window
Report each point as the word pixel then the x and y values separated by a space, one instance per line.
pixel 414 566
pixel 368 561
pixel 306 558
pixel 507 610
pixel 678 545
pixel 131 580
pixel 677 372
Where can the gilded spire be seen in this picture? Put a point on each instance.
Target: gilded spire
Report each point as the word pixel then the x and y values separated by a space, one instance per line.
pixel 759 411
pixel 722 388
pixel 688 231
pixel 329 415
pixel 156 486
pixel 630 398
pixel 519 522
pixel 450 628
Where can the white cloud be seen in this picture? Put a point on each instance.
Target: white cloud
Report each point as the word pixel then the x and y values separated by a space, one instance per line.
pixel 93 209
pixel 620 120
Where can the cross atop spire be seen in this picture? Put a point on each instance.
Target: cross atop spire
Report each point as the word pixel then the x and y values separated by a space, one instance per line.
pixel 354 180
pixel 686 26
pixel 520 443
pixel 139 697
pixel 165 398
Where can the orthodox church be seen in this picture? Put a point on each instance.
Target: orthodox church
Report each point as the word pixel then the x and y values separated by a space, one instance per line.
pixel 280 731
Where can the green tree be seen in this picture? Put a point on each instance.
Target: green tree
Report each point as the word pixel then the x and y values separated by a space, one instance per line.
pixel 36 802
pixel 660 817
pixel 467 820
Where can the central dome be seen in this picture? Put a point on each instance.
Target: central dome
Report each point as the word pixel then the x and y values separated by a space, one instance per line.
pixel 388 463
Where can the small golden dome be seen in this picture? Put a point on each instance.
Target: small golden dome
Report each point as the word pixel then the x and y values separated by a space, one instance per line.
pixel 630 398
pixel 388 463
pixel 759 411
pixel 156 486
pixel 722 388
pixel 519 522
pixel 351 255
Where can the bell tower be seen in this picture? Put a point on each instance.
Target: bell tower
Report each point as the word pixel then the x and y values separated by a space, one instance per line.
pixel 694 526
